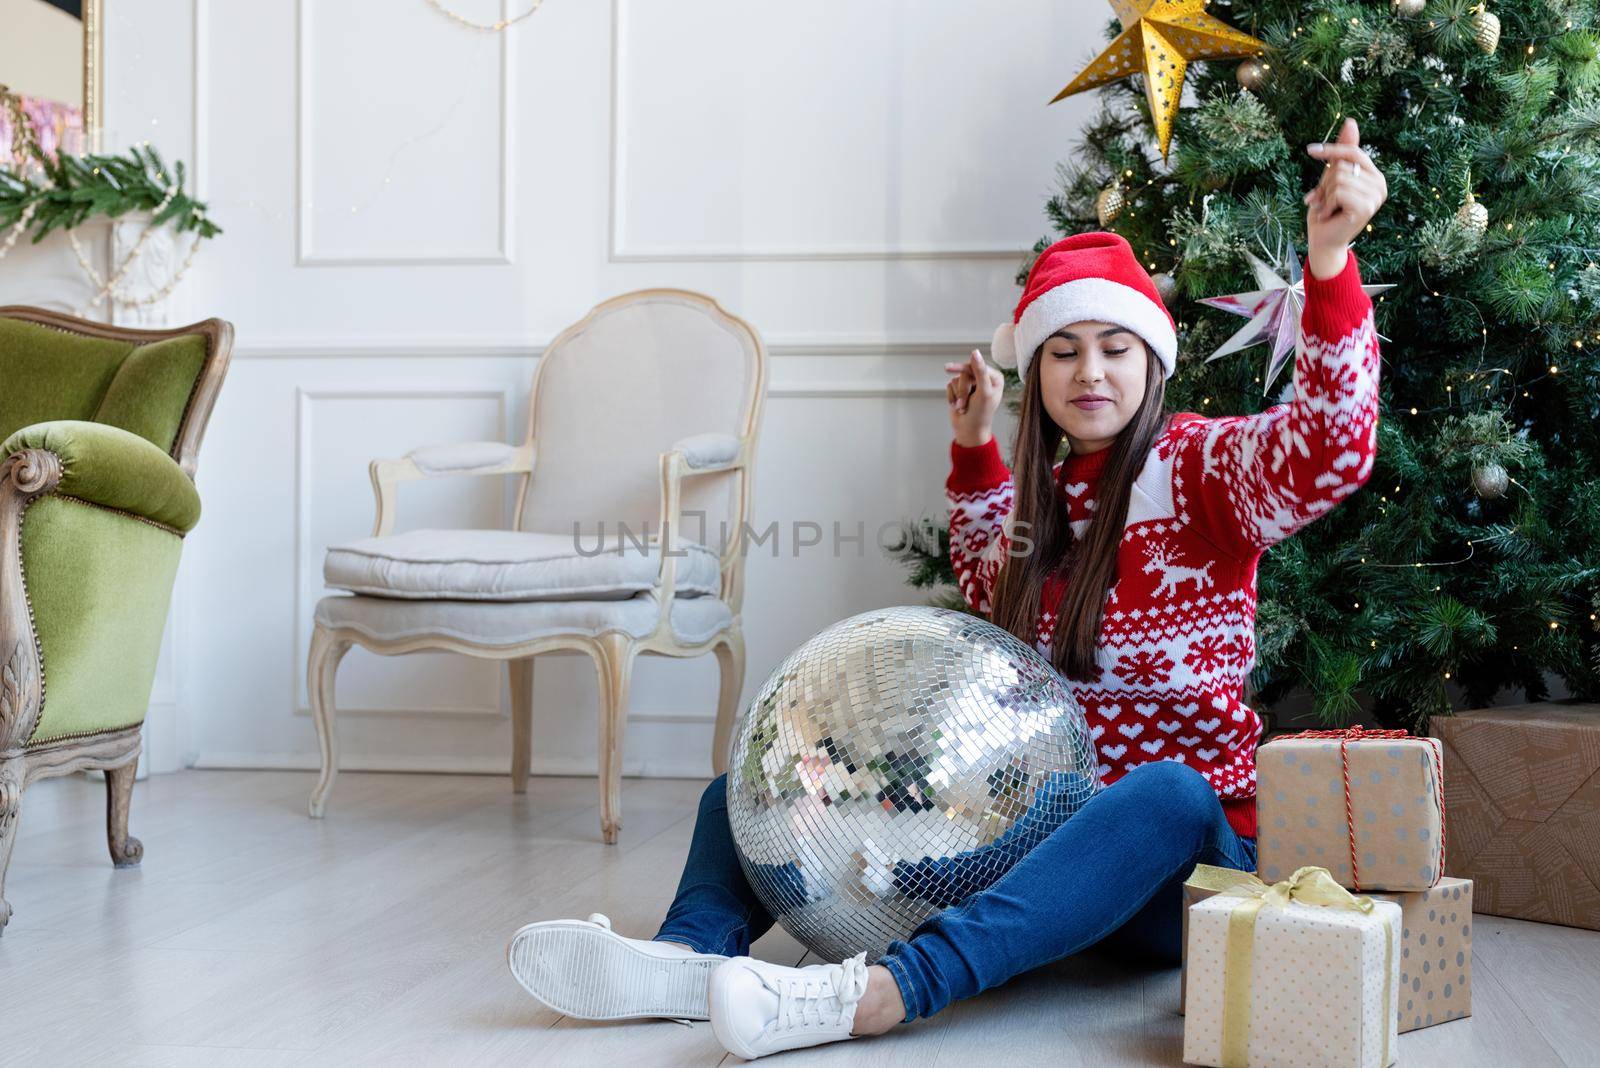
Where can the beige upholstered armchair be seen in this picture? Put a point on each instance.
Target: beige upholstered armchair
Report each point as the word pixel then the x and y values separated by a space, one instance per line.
pixel 642 430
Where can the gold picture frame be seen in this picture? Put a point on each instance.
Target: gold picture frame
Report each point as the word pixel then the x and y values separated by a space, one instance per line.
pixel 90 56
pixel 93 71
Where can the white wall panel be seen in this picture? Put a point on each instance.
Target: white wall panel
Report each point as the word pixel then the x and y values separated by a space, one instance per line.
pixel 829 129
pixel 402 137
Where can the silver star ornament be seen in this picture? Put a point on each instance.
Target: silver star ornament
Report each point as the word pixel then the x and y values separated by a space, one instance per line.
pixel 1274 314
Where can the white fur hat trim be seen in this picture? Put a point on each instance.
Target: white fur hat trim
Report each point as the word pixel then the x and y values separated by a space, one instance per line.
pixel 1098 300
pixel 1003 349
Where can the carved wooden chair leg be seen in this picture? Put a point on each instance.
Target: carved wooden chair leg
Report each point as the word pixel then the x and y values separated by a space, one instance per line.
pixel 322 665
pixel 126 850
pixel 11 776
pixel 521 675
pixel 730 658
pixel 615 663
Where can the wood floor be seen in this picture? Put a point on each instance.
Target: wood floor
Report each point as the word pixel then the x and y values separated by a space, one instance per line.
pixel 255 936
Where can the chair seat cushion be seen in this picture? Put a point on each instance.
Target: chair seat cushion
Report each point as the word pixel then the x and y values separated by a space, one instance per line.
pixel 507 565
pixel 388 619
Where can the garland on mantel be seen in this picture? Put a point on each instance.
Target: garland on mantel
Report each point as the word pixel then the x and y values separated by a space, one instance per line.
pixel 73 189
pixel 61 191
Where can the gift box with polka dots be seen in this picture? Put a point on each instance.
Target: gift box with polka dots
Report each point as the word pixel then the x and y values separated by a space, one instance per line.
pixel 1435 954
pixel 1435 945
pixel 1371 811
pixel 1321 984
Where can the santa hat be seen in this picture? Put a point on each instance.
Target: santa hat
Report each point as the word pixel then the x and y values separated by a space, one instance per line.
pixel 1093 276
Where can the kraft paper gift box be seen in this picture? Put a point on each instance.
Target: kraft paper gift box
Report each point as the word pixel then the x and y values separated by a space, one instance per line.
pixel 1522 787
pixel 1295 983
pixel 1366 805
pixel 1435 953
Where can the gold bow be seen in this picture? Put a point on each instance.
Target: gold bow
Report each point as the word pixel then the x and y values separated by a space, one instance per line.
pixel 1215 879
pixel 1308 886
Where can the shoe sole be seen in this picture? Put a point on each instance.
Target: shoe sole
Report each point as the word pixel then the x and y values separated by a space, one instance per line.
pixel 589 972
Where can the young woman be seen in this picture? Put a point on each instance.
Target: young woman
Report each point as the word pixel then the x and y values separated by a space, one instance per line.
pixel 1131 565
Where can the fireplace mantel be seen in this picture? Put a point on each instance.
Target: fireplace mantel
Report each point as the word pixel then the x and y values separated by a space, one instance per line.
pixel 48 274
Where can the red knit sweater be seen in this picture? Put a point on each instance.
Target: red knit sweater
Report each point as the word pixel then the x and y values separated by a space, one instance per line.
pixel 1178 635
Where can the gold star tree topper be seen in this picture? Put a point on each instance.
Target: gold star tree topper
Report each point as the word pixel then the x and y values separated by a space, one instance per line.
pixel 1159 38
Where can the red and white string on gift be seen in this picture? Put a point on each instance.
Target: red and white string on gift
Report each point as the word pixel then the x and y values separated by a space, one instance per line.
pixel 1359 733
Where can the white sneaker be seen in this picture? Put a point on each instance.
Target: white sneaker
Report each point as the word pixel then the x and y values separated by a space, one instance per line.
pixel 759 1008
pixel 585 969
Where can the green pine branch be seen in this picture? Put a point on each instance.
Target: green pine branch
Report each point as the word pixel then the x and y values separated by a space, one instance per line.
pixel 73 189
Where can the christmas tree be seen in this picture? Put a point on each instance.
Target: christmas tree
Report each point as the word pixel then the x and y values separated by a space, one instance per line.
pixel 1470 561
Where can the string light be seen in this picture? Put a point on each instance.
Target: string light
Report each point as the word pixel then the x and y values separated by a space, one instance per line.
pixel 497 26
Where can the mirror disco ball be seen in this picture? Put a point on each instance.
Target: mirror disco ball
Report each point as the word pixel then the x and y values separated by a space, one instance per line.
pixel 897 762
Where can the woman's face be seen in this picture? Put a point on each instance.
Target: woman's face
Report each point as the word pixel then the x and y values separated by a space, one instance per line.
pixel 1087 360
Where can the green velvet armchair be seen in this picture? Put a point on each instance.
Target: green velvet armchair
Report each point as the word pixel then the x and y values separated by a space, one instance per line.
pixel 100 427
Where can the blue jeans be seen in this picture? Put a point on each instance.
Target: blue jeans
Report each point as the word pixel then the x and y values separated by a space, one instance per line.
pixel 1111 874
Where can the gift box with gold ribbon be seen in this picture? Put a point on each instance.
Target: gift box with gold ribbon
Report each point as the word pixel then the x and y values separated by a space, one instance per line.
pixel 1435 944
pixel 1301 972
pixel 1367 805
pixel 1205 881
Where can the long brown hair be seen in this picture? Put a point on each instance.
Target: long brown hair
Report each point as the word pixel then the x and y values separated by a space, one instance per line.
pixel 1088 564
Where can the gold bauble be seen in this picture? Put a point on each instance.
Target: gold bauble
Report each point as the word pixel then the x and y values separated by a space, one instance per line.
pixel 1490 481
pixel 1409 8
pixel 1109 204
pixel 1166 285
pixel 1250 74
pixel 1486 30
pixel 1473 216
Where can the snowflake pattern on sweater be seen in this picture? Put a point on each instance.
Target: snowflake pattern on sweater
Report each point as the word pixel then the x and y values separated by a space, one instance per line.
pixel 1178 636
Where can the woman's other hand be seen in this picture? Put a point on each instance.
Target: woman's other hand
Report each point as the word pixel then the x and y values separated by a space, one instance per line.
pixel 1344 201
pixel 973 394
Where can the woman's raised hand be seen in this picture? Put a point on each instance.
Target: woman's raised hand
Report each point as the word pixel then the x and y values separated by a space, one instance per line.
pixel 1350 193
pixel 973 394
